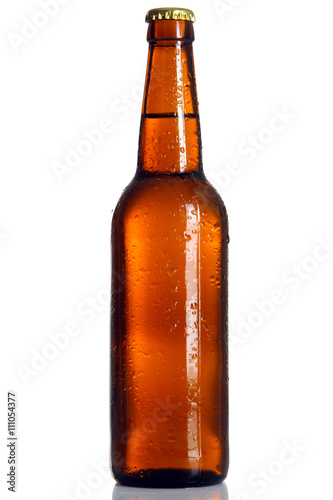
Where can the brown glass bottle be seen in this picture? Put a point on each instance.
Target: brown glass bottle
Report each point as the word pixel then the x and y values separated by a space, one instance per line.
pixel 169 364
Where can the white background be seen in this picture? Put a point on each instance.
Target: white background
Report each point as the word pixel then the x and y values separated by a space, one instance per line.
pixel 254 58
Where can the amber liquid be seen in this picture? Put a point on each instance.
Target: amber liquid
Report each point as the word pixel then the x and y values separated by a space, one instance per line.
pixel 169 399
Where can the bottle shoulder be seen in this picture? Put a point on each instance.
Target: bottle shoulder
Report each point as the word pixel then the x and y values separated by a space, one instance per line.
pixel 170 195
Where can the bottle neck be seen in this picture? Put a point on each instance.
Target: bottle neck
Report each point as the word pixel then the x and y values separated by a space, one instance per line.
pixel 170 139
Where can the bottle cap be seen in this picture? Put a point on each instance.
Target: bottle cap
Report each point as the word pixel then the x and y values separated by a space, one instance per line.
pixel 170 13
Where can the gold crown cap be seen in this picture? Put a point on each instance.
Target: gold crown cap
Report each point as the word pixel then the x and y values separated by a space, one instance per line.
pixel 170 13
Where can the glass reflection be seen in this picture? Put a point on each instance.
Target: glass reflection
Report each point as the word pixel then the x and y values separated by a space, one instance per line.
pixel 219 492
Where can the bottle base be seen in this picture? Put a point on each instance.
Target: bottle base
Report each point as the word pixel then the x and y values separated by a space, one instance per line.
pixel 169 478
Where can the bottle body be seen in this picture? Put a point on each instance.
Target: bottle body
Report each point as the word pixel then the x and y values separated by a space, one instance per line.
pixel 169 357
pixel 169 322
